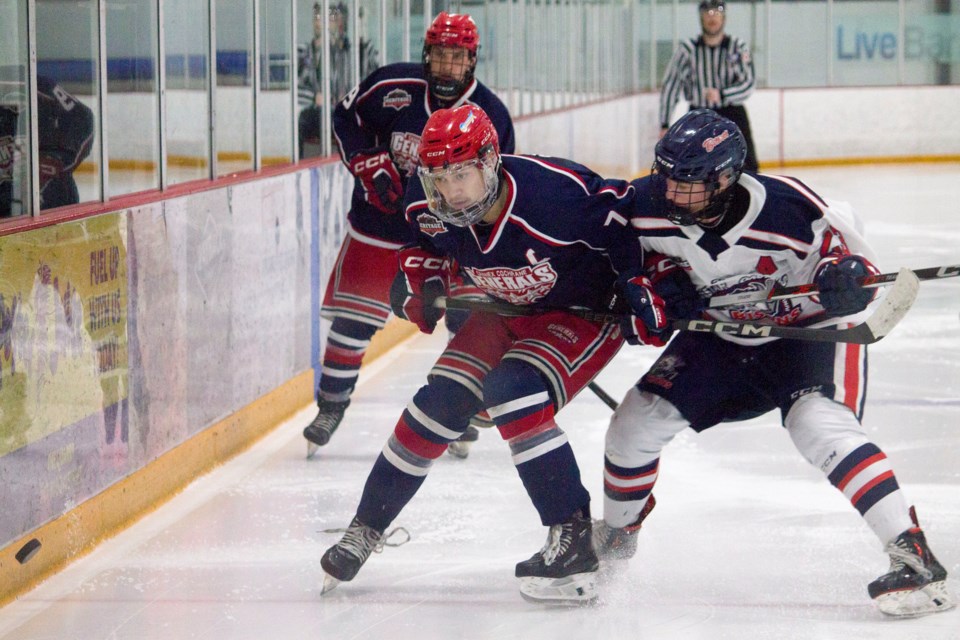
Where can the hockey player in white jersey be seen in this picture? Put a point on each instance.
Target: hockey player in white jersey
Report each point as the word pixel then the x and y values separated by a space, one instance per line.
pixel 709 229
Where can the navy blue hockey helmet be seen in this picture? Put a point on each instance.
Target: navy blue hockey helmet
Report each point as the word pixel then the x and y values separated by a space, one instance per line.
pixel 701 147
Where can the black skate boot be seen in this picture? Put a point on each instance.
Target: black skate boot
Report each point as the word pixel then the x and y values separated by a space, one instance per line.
pixel 328 418
pixel 460 448
pixel 342 561
pixel 613 543
pixel 916 583
pixel 564 571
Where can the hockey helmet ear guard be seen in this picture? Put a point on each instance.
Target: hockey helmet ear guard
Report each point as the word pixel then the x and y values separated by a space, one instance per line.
pixel 701 147
pixel 454 142
pixel 450 31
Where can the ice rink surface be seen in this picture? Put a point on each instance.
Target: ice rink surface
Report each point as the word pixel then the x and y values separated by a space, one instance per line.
pixel 747 540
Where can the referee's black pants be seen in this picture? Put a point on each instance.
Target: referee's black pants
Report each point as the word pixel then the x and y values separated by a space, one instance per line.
pixel 738 114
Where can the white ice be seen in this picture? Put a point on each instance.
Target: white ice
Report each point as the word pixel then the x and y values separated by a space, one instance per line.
pixel 747 540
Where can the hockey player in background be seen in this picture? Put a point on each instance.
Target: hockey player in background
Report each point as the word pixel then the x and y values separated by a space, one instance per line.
pixel 65 127
pixel 708 230
pixel 377 126
pixel 541 233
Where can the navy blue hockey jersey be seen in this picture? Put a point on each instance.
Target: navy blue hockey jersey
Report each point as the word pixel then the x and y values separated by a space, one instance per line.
pixel 563 236
pixel 389 108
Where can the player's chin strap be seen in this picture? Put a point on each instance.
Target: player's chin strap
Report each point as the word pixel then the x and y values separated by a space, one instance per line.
pixel 886 314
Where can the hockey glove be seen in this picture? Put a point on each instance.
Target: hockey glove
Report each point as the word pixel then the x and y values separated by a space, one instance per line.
pixel 647 322
pixel 840 295
pixel 50 168
pixel 679 294
pixel 379 177
pixel 422 279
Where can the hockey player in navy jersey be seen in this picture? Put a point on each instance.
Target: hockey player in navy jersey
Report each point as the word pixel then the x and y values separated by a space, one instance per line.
pixel 710 230
pixel 541 233
pixel 65 127
pixel 377 127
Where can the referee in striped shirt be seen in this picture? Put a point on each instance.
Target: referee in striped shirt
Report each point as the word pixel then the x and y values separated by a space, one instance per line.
pixel 712 71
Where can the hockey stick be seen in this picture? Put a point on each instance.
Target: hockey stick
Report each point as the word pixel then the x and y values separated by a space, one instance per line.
pixel 780 292
pixel 603 395
pixel 889 311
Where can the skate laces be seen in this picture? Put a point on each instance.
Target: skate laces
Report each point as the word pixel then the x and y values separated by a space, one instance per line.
pixel 907 552
pixel 360 541
pixel 330 415
pixel 559 539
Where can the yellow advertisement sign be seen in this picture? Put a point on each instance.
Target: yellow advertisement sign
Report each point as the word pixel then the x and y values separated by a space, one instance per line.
pixel 63 327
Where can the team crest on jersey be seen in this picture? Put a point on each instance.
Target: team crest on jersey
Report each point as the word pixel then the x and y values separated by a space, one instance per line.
pixel 403 150
pixel 517 286
pixel 430 224
pixel 397 99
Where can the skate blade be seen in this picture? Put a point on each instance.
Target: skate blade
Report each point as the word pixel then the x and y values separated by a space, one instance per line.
pixel 312 448
pixel 579 589
pixel 329 583
pixel 932 598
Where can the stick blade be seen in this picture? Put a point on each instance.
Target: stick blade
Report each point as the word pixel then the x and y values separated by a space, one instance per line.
pixel 895 304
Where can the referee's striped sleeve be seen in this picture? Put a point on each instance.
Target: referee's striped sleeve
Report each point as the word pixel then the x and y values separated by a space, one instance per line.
pixel 675 80
pixel 739 80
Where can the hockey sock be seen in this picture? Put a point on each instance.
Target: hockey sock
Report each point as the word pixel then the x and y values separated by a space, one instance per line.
pixel 831 439
pixel 347 343
pixel 626 491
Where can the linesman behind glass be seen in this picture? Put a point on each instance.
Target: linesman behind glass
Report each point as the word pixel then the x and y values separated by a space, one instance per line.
pixel 711 71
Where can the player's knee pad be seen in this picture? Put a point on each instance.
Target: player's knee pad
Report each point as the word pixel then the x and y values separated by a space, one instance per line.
pixel 641 427
pixel 446 403
pixel 823 431
pixel 516 397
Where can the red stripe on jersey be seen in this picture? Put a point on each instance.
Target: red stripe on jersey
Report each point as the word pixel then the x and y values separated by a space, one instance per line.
pixel 860 467
pixel 870 485
pixel 416 444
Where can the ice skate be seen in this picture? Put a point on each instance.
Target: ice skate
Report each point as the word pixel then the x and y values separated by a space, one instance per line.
pixel 328 418
pixel 564 571
pixel 916 583
pixel 460 448
pixel 342 561
pixel 619 543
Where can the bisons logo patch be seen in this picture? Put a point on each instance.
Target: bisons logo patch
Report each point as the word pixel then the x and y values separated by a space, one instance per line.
pixel 430 224
pixel 664 371
pixel 397 99
pixel 517 286
pixel 711 143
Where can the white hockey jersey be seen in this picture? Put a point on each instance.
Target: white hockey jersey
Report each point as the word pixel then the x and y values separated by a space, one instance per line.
pixel 786 234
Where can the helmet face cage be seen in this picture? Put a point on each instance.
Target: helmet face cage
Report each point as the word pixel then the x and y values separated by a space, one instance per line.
pixel 701 147
pixel 488 163
pixel 447 34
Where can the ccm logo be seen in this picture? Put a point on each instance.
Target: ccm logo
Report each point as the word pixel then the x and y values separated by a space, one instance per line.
pixel 370 163
pixel 416 262
pixel 946 272
pixel 733 329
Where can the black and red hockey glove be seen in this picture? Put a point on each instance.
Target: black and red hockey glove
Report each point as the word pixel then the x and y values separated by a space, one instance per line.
pixel 840 295
pixel 672 283
pixel 647 321
pixel 379 177
pixel 421 280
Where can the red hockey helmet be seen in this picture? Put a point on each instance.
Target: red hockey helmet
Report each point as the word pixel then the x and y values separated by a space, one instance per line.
pixel 453 30
pixel 455 142
pixel 450 31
